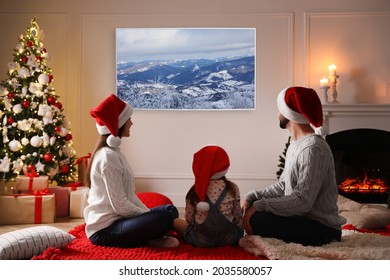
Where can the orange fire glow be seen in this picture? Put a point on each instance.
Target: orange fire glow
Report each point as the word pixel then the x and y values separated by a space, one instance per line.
pixel 367 185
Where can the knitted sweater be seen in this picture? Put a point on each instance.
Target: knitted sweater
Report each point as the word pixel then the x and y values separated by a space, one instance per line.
pixel 112 194
pixel 307 185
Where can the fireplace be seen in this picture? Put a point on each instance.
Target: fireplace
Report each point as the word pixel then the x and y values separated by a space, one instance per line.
pixel 362 164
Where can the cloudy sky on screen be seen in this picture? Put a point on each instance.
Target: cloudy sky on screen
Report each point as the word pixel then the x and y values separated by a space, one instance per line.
pixel 137 44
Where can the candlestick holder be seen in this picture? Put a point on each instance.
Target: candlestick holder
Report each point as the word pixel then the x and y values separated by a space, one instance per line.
pixel 324 94
pixel 333 90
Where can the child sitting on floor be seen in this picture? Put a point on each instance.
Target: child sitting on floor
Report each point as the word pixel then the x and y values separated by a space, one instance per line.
pixel 212 214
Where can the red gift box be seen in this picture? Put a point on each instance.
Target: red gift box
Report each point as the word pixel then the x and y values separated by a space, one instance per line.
pixel 62 200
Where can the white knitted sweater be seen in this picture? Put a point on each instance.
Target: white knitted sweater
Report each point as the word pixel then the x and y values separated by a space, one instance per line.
pixel 307 185
pixel 112 194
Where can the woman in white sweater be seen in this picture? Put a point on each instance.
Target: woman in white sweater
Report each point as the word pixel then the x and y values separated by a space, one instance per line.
pixel 115 216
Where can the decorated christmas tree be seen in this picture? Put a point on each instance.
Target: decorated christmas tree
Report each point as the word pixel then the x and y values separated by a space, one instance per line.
pixel 282 159
pixel 36 137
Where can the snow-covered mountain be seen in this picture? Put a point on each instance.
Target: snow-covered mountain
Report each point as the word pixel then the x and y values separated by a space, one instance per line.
pixel 188 84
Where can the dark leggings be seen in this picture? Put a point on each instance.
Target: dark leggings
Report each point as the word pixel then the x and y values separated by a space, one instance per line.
pixel 138 230
pixel 295 229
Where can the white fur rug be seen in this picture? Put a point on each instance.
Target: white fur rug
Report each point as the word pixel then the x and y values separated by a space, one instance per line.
pixel 353 246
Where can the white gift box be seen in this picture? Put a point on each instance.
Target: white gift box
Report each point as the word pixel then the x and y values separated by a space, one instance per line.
pixel 78 201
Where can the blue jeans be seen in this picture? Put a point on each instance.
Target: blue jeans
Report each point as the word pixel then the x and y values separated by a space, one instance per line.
pixel 137 231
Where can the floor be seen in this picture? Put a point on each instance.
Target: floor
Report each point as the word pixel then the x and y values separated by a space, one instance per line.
pixel 63 223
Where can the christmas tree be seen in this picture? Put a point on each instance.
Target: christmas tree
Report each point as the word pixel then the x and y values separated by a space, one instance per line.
pixel 282 159
pixel 35 134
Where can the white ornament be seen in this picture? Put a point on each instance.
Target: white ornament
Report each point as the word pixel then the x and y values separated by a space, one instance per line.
pixel 53 140
pixel 25 141
pixel 24 91
pixel 36 88
pixel 63 132
pixel 18 165
pixel 36 141
pixel 4 164
pixel 40 167
pixel 43 79
pixel 23 73
pixel 17 108
pixel 24 125
pixel 14 145
pixel 45 139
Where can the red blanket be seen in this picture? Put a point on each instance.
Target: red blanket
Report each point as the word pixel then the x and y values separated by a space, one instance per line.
pixel 82 249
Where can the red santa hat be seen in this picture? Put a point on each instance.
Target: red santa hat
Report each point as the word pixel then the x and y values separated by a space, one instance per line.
pixel 302 105
pixel 111 115
pixel 210 162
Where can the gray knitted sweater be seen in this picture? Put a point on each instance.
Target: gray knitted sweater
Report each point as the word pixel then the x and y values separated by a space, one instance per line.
pixel 307 185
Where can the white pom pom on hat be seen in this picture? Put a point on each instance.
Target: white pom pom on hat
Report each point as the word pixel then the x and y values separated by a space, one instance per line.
pixel 302 105
pixel 210 162
pixel 111 114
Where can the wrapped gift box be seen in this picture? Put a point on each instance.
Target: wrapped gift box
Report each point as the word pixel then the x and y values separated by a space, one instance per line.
pixel 82 166
pixel 78 201
pixel 26 183
pixel 27 209
pixel 62 200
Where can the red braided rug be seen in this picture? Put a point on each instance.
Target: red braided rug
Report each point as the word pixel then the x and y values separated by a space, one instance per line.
pixel 82 249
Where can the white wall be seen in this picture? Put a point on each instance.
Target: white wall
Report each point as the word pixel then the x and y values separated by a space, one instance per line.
pixel 296 41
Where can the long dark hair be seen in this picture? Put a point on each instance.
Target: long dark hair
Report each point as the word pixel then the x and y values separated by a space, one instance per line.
pixel 101 142
pixel 193 198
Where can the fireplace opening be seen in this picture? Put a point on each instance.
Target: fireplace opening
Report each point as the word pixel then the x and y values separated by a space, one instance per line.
pixel 362 164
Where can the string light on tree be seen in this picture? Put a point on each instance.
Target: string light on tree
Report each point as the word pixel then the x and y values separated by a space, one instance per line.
pixel 35 131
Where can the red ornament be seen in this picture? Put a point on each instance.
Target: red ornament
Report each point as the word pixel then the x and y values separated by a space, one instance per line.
pixel 10 120
pixel 11 95
pixel 25 104
pixel 31 168
pixel 24 59
pixel 51 100
pixel 68 137
pixel 43 50
pixel 30 44
pixel 57 129
pixel 58 105
pixel 48 157
pixel 50 77
pixel 64 169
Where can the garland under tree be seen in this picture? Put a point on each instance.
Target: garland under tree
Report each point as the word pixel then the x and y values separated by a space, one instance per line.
pixel 35 134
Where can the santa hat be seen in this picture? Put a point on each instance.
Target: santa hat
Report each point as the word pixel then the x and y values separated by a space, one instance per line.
pixel 111 115
pixel 302 105
pixel 210 162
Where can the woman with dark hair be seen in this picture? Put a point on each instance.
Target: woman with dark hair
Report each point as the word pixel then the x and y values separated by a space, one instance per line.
pixel 115 216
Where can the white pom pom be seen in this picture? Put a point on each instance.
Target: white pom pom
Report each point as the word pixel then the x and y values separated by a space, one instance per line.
pixel 202 206
pixel 113 141
pixel 322 130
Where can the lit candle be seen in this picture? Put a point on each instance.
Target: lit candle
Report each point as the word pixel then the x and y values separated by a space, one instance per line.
pixel 332 70
pixel 324 82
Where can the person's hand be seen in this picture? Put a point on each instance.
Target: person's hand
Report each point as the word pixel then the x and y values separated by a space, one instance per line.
pixel 246 219
pixel 245 204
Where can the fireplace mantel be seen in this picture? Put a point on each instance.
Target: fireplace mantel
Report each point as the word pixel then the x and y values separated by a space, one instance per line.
pixel 346 116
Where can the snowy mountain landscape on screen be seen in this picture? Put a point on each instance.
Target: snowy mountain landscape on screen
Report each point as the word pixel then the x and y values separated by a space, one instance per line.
pixel 223 83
